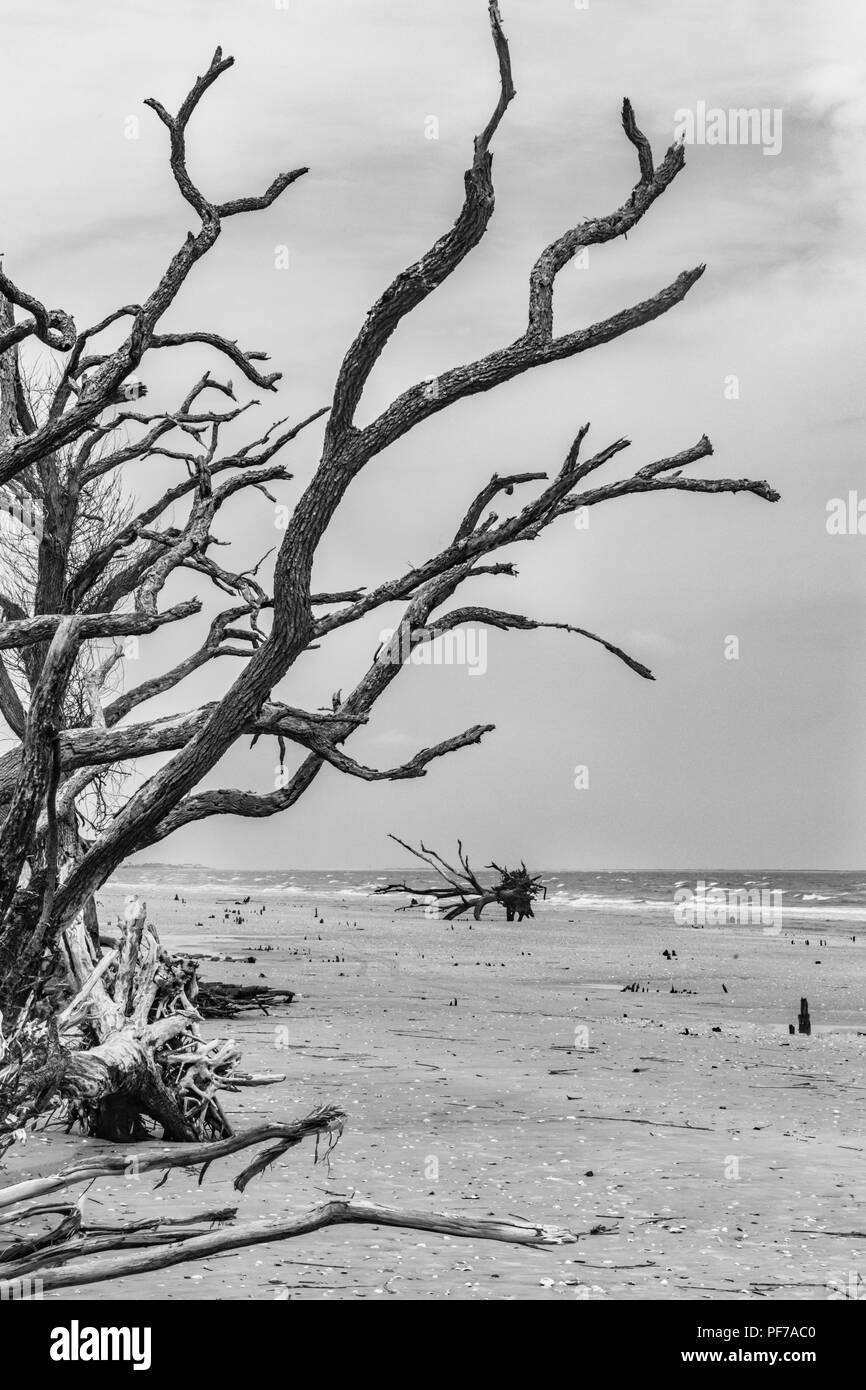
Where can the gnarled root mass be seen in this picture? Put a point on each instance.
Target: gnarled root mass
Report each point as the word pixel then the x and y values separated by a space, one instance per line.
pixel 216 999
pixel 124 1054
pixel 459 890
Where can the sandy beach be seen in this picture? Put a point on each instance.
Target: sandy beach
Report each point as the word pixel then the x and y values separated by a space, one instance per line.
pixel 500 1069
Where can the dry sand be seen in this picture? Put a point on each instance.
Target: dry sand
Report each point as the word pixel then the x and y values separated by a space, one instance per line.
pixel 500 1069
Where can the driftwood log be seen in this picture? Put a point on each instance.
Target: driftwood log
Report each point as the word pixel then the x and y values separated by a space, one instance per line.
pixel 216 999
pixel 49 1246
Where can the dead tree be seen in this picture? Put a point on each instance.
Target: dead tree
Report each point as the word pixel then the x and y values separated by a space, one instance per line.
pixel 515 891
pixel 86 430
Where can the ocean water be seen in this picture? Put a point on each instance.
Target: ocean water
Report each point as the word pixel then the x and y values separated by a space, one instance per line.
pixel 807 894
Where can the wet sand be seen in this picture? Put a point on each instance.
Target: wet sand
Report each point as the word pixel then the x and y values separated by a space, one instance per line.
pixel 500 1069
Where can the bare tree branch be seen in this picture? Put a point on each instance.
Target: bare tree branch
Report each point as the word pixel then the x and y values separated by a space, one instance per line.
pixel 493 617
pixel 244 360
pixel 27 631
pixel 98 388
pixel 133 563
pixel 419 280
pixel 53 327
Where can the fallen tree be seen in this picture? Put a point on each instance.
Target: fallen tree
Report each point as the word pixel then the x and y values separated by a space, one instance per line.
pixel 114 1039
pixel 219 999
pixel 461 890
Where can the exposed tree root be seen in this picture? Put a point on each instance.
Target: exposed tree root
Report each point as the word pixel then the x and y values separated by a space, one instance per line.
pixel 216 999
pixel 515 890
pixel 125 1055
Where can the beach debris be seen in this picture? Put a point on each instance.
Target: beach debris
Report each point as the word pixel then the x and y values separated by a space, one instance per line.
pixel 119 1051
pixel 633 1120
pixel 216 999
pixel 515 891
pixel 69 1253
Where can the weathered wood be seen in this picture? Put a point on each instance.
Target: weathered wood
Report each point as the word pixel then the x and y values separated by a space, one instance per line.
pixel 515 891
pixel 334 1213
pixel 216 999
pixel 324 1122
pixel 126 1051
pixel 71 1255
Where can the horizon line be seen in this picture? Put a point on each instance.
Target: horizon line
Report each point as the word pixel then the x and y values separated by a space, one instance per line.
pixel 382 868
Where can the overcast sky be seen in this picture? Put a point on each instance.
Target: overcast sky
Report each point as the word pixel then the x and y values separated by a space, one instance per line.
pixel 751 762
